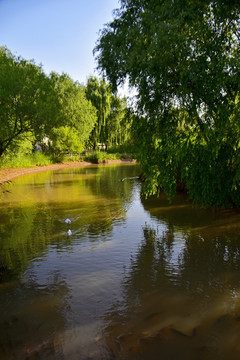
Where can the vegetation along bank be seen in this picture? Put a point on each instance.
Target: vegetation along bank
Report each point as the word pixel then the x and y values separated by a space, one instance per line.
pixel 182 59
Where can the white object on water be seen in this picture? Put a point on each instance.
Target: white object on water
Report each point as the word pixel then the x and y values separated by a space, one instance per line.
pixel 69 232
pixel 67 221
pixel 129 178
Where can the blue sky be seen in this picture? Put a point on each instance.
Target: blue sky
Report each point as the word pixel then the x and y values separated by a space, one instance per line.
pixel 59 34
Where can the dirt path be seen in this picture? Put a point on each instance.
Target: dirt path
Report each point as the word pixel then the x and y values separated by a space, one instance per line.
pixel 9 174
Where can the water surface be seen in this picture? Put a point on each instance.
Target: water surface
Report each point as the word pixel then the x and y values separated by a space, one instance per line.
pixel 136 279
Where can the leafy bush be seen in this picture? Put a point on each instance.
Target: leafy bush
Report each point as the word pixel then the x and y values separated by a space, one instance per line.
pixel 66 140
pixel 96 157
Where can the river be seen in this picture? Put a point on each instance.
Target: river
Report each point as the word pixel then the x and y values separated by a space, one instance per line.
pixel 128 278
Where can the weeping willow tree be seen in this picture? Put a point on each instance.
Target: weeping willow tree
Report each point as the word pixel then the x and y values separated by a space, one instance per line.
pixel 119 122
pixel 113 126
pixel 183 59
pixel 99 93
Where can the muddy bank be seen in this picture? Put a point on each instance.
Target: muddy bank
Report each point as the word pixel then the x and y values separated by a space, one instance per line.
pixel 9 174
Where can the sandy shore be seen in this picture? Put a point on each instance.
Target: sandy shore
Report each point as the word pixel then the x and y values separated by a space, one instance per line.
pixel 9 174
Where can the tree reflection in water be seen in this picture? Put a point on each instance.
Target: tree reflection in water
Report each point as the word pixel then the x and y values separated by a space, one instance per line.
pixel 51 282
pixel 172 285
pixel 182 299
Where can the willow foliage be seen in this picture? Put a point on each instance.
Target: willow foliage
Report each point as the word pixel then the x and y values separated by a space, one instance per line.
pixel 183 59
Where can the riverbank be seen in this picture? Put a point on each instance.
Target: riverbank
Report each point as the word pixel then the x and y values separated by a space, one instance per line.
pixel 9 174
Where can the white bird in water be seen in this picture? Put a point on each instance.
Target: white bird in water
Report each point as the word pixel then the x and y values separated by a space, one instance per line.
pixel 69 232
pixel 67 221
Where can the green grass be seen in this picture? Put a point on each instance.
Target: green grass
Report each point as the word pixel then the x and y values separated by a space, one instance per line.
pixel 40 159
pixel 35 159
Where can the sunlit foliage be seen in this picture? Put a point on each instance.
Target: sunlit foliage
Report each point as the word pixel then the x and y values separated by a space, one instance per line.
pixel 28 101
pixel 183 59
pixel 113 126
pixel 77 116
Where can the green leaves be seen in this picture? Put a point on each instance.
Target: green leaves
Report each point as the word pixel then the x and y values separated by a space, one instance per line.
pixel 113 123
pixel 183 59
pixel 32 102
pixel 66 140
pixel 77 116
pixel 28 101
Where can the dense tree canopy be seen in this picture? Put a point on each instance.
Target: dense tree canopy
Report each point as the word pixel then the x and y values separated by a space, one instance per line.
pixel 99 93
pixel 113 123
pixel 77 116
pixel 34 105
pixel 28 101
pixel 118 127
pixel 183 59
pixel 55 111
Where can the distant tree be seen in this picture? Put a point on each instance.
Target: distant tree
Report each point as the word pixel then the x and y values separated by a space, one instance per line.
pixel 183 59
pixel 65 140
pixel 118 127
pixel 113 124
pixel 99 93
pixel 77 116
pixel 28 100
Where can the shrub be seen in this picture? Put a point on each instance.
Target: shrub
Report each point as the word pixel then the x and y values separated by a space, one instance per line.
pixel 96 157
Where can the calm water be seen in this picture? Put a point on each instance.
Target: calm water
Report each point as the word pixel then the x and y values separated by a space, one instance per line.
pixel 136 279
